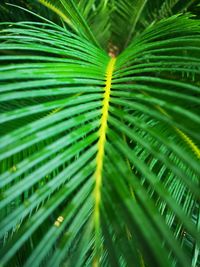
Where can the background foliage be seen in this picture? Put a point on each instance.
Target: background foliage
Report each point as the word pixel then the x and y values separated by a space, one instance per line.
pixel 60 122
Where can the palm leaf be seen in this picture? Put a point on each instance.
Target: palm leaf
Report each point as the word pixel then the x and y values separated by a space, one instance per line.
pixel 99 155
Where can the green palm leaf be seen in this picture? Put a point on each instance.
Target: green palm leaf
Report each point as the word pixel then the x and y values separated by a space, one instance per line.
pixel 100 155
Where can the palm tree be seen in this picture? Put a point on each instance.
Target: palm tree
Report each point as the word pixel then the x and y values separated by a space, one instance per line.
pixel 100 134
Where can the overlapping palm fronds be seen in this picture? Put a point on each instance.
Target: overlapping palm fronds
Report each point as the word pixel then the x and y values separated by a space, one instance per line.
pixel 100 121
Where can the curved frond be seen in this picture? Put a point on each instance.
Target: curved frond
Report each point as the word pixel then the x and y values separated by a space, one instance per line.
pixel 100 155
pixel 70 14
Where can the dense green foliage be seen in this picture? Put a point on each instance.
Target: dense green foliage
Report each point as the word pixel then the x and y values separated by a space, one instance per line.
pixel 59 206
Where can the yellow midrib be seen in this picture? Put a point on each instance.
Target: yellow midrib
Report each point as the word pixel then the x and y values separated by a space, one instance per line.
pixel 190 143
pixel 195 149
pixel 186 138
pixel 57 11
pixel 101 146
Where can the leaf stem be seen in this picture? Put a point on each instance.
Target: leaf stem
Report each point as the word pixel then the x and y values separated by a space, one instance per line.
pixel 100 157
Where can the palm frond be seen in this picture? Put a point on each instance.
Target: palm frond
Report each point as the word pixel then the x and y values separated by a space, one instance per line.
pixel 68 11
pixel 100 155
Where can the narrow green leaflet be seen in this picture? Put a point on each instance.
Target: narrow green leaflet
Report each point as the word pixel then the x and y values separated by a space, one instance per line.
pixel 99 136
